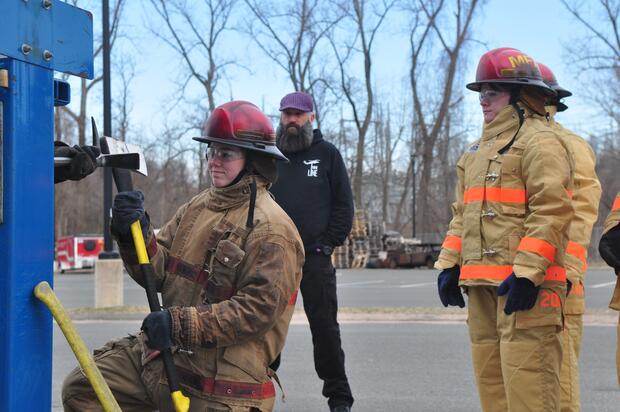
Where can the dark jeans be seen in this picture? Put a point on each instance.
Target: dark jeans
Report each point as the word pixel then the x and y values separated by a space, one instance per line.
pixel 318 288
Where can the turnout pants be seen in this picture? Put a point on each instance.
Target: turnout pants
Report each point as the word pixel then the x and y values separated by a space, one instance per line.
pixel 318 289
pixel 135 387
pixel 571 338
pixel 516 358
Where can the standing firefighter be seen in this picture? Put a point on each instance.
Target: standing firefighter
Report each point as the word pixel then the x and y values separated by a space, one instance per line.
pixel 228 266
pixel 505 244
pixel 314 190
pixel 609 248
pixel 585 200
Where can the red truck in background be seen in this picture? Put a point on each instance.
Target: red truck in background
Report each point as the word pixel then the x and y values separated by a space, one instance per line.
pixel 77 252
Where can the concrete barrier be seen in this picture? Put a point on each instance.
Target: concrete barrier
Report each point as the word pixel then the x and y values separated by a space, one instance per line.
pixel 108 283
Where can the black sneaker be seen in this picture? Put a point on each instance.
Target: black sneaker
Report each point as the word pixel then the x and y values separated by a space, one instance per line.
pixel 341 408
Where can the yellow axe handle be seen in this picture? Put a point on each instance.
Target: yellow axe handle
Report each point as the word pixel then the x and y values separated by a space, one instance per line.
pixel 45 294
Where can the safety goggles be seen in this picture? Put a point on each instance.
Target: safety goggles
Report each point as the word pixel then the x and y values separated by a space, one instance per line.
pixel 490 95
pixel 224 154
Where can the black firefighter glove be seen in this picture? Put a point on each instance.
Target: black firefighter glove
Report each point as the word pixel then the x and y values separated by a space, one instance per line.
pixel 448 286
pixel 522 293
pixel 83 161
pixel 127 208
pixel 609 248
pixel 158 329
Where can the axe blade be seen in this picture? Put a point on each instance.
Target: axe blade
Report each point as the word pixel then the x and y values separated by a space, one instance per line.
pixel 116 147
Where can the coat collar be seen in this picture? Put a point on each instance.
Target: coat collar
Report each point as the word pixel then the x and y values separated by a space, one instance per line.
pixel 506 119
pixel 224 198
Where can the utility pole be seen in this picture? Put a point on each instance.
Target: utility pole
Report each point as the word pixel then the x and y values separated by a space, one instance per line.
pixel 413 199
pixel 108 252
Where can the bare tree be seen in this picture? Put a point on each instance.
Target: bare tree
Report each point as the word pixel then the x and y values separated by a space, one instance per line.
pixel 290 34
pixel 596 59
pixel 359 98
pixel 431 110
pixel 80 116
pixel 123 104
pixel 193 33
pixel 193 30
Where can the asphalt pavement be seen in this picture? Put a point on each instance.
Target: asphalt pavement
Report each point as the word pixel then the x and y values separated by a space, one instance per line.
pixel 404 367
pixel 392 365
pixel 357 288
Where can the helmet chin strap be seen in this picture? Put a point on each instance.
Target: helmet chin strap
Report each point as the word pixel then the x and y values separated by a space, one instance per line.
pixel 250 221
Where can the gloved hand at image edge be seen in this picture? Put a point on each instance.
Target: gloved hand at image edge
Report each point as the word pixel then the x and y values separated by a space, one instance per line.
pixel 83 161
pixel 522 293
pixel 448 287
pixel 127 208
pixel 609 248
pixel 158 329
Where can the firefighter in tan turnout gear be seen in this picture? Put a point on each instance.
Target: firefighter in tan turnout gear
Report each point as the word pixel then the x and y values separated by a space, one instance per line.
pixel 609 248
pixel 586 196
pixel 505 244
pixel 228 266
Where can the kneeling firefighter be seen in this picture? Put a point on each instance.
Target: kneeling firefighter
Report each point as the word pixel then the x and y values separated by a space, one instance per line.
pixel 228 266
pixel 506 241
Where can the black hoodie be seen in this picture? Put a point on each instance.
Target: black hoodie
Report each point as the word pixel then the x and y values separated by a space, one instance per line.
pixel 314 190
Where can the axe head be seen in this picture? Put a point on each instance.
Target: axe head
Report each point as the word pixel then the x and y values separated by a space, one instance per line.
pixel 117 147
pixel 111 146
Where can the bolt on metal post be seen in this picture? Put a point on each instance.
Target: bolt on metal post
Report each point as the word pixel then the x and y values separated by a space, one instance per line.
pixel 26 48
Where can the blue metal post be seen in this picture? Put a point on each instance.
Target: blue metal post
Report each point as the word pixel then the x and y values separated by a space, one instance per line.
pixel 26 237
pixel 36 38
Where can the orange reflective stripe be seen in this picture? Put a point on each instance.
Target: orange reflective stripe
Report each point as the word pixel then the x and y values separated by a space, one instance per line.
pixel 493 272
pixel 555 273
pixel 569 193
pixel 501 272
pixel 475 194
pixel 616 205
pixel 577 289
pixel 293 299
pixel 579 252
pixel 494 194
pixel 452 242
pixel 538 246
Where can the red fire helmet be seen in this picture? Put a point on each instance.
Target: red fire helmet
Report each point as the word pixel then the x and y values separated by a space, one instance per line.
pixel 508 66
pixel 551 81
pixel 241 124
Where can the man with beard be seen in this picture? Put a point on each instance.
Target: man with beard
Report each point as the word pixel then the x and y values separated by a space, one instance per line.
pixel 314 189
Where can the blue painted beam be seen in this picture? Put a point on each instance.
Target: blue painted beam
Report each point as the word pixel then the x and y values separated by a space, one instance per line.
pixel 50 34
pixel 26 236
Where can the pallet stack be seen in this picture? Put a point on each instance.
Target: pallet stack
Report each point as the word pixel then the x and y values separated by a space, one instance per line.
pixel 341 258
pixel 359 240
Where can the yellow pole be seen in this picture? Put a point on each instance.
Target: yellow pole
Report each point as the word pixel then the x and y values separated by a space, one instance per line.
pixel 45 294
